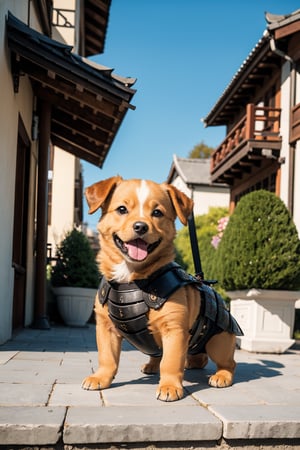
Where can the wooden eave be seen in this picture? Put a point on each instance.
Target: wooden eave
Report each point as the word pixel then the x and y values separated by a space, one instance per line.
pixel 283 26
pixel 95 21
pixel 260 64
pixel 88 101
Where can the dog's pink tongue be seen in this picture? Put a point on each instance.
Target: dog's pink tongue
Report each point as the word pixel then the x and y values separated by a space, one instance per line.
pixel 137 249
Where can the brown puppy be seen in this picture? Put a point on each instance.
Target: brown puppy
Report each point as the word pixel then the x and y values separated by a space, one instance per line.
pixel 136 240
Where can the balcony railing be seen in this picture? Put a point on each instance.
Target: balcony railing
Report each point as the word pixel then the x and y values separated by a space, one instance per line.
pixel 62 17
pixel 261 124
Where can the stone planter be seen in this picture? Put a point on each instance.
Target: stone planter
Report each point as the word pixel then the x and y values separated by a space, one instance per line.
pixel 266 318
pixel 75 305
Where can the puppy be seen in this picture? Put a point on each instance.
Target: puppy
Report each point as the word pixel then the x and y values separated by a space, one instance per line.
pixel 147 298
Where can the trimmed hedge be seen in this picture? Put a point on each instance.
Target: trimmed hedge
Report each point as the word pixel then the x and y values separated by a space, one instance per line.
pixel 260 247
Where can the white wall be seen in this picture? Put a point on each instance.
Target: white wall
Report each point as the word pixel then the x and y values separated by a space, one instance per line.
pixel 204 196
pixel 285 149
pixel 296 215
pixel 10 106
pixel 64 171
pixel 62 219
pixel 297 169
pixel 285 130
pixel 67 33
pixel 208 197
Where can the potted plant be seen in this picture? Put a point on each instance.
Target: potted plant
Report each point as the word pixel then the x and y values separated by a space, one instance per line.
pixel 75 278
pixel 258 264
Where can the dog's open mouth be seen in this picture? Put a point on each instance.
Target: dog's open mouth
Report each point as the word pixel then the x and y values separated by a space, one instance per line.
pixel 137 249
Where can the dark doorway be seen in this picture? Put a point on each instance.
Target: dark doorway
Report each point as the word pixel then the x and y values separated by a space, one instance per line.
pixel 20 225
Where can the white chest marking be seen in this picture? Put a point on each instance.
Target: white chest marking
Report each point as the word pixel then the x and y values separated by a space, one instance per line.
pixel 142 194
pixel 121 273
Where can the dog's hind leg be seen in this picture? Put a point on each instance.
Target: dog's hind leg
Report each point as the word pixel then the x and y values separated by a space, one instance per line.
pixel 152 366
pixel 196 361
pixel 109 349
pixel 220 348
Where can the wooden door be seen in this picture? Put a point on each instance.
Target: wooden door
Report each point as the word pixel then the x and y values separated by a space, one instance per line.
pixel 20 226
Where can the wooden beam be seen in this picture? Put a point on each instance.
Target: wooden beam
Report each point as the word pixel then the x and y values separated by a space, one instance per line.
pixel 40 308
pixel 85 113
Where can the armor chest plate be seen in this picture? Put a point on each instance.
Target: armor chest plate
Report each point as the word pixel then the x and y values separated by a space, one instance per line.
pixel 129 304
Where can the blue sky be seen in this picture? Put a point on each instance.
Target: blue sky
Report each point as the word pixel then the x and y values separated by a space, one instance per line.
pixel 183 54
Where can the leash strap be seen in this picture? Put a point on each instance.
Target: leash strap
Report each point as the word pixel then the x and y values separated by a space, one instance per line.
pixel 196 253
pixel 195 249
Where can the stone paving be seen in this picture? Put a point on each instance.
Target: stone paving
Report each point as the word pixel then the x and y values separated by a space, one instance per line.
pixel 42 403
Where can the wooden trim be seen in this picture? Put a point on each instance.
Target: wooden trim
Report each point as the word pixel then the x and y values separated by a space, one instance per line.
pixel 19 253
pixel 42 209
pixel 278 182
pixel 295 124
pixel 287 30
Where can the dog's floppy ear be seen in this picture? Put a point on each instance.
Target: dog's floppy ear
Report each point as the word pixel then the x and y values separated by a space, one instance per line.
pixel 183 205
pixel 97 193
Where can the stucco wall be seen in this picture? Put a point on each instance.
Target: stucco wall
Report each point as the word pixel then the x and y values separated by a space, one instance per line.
pixel 284 130
pixel 297 169
pixel 285 149
pixel 11 106
pixel 62 219
pixel 67 33
pixel 63 181
pixel 204 196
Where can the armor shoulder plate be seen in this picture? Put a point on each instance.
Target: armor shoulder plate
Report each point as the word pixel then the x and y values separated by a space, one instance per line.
pixel 161 285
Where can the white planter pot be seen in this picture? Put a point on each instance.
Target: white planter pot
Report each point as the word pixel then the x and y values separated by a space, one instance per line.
pixel 266 317
pixel 75 305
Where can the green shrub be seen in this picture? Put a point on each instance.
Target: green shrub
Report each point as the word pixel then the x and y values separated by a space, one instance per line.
pixel 260 247
pixel 76 263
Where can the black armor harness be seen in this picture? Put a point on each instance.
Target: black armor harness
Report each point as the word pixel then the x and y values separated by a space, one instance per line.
pixel 129 303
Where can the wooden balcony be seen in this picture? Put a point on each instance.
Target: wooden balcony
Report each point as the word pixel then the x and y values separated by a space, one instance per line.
pixel 254 138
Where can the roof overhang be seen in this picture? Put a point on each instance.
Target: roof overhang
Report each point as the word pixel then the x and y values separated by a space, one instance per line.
pixel 259 64
pixel 95 20
pixel 88 101
pixel 282 26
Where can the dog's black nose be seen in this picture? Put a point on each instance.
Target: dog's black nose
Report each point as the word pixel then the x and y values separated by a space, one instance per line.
pixel 140 228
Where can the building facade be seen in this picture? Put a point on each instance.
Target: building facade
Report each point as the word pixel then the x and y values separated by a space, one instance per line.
pixel 261 110
pixel 51 97
pixel 192 176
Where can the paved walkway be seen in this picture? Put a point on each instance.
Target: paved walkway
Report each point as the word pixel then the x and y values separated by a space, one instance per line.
pixel 41 401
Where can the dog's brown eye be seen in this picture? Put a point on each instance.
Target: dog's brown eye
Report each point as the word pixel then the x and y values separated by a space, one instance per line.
pixel 122 210
pixel 157 213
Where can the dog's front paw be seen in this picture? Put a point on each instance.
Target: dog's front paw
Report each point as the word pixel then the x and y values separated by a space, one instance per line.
pixel 95 383
pixel 221 379
pixel 169 393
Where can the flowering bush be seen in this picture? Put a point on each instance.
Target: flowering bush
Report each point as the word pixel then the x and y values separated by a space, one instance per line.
pixel 222 224
pixel 205 228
